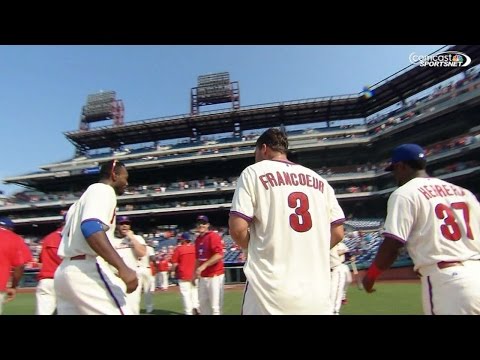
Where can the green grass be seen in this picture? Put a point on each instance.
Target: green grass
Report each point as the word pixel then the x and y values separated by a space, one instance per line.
pixel 389 299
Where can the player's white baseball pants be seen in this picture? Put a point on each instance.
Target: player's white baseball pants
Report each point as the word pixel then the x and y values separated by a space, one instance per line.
pixel 3 295
pixel 348 281
pixel 451 291
pixel 338 276
pixel 251 305
pixel 134 298
pixel 89 287
pixel 189 296
pixel 147 284
pixel 164 280
pixel 46 298
pixel 210 294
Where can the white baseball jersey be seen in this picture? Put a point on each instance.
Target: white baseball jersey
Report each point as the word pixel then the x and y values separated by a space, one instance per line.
pixel 125 249
pixel 437 220
pixel 335 258
pixel 145 260
pixel 290 209
pixel 99 201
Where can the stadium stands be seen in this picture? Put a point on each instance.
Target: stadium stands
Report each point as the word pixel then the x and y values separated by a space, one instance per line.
pixel 174 174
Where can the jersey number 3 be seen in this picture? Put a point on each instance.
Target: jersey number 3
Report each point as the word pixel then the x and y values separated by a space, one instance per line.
pixel 450 228
pixel 301 220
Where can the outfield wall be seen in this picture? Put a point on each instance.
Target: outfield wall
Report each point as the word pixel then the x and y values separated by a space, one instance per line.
pixel 235 275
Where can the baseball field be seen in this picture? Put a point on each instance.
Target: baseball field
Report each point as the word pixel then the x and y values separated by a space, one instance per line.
pixel 391 298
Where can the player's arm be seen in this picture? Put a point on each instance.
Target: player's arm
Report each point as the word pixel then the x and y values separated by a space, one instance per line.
pixel 401 212
pixel 196 274
pixel 22 256
pixel 175 257
pixel 387 253
pixel 243 205
pixel 139 249
pixel 97 239
pixel 17 274
pixel 337 232
pixel 337 217
pixel 212 261
pixel 238 228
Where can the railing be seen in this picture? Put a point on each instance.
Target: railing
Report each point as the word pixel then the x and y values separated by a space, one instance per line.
pixel 233 275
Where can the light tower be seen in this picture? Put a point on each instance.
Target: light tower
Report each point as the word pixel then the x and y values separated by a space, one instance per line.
pixel 214 89
pixel 102 106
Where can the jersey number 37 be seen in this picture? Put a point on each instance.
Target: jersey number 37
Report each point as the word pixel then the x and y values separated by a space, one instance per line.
pixel 450 228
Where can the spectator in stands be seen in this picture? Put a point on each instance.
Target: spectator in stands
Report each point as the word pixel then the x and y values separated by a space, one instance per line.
pixel 288 218
pixel 131 248
pixel 341 278
pixel 14 254
pixel 209 268
pixel 440 224
pixel 84 283
pixel 183 267
pixel 45 292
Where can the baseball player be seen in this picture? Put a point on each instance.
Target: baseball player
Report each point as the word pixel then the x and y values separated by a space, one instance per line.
pixel 163 268
pixel 45 292
pixel 209 268
pixel 14 254
pixel 340 276
pixel 147 278
pixel 131 248
pixel 439 223
pixel 183 267
pixel 288 218
pixel 84 283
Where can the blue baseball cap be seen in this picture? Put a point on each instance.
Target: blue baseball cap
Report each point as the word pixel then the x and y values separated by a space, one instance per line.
pixel 6 222
pixel 123 219
pixel 202 218
pixel 184 236
pixel 406 152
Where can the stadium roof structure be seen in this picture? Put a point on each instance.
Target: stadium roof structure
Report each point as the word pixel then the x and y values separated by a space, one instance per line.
pixel 401 85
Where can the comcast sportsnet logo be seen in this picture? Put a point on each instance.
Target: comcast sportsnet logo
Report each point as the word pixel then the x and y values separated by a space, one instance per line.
pixel 443 59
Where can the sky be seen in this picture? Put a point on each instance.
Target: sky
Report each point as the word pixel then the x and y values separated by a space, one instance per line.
pixel 43 88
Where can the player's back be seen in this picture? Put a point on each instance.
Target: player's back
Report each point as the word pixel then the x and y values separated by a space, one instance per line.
pixel 288 256
pixel 11 253
pixel 446 221
pixel 48 256
pixel 184 256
